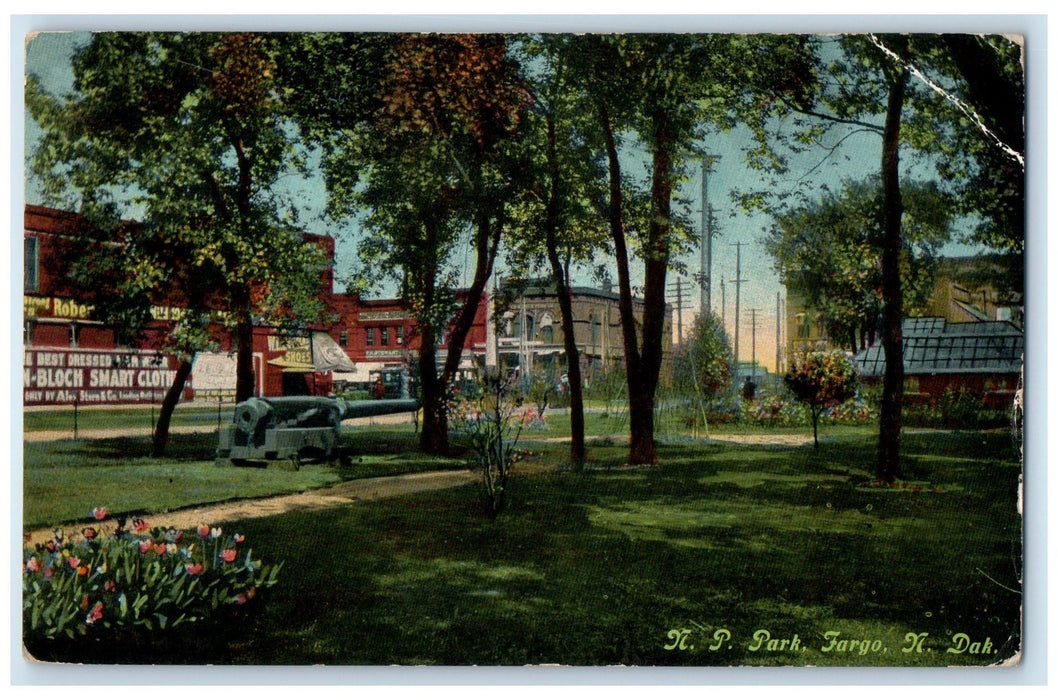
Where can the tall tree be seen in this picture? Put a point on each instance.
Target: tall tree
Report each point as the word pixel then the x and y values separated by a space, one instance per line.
pixel 845 283
pixel 668 91
pixel 425 150
pixel 558 225
pixel 185 134
pixel 912 90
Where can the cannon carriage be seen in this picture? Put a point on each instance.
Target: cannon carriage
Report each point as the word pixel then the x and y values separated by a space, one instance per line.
pixel 295 428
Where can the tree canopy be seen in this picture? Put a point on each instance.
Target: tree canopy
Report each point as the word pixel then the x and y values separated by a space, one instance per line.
pixel 183 134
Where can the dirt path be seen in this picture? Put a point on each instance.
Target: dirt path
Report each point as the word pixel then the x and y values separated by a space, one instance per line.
pixel 345 493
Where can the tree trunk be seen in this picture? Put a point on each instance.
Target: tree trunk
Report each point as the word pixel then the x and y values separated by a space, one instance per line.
pixel 640 408
pixel 815 428
pixel 434 436
pixel 577 451
pixel 892 297
pixel 643 387
pixel 165 415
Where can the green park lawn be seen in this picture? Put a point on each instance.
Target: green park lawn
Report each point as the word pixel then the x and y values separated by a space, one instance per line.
pixel 712 558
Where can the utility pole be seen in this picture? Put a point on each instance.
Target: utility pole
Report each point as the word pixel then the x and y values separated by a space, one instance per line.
pixel 706 305
pixel 679 309
pixel 723 305
pixel 738 310
pixel 753 313
pixel 682 301
pixel 778 334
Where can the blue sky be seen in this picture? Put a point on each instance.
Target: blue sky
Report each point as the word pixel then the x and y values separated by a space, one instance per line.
pixel 48 56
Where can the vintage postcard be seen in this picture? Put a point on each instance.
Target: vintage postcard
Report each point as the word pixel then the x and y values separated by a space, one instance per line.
pixel 376 347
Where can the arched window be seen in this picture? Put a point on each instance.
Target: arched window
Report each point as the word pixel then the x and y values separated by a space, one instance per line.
pixel 804 325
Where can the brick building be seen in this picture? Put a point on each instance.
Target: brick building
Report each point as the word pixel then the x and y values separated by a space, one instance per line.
pixel 71 358
pixel 530 335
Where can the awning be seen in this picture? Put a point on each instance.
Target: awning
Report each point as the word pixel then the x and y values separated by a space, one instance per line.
pixel 328 356
pixel 323 355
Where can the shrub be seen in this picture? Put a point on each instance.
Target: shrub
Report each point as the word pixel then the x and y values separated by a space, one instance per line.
pixel 822 380
pixel 140 579
pixel 492 422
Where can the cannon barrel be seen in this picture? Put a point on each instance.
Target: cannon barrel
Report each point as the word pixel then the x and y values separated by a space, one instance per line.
pixel 381 407
pixel 296 427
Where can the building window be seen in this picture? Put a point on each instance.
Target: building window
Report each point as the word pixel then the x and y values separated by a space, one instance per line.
pixel 400 335
pixel 530 327
pixel 385 335
pixel 31 281
pixel 343 338
pixel 370 336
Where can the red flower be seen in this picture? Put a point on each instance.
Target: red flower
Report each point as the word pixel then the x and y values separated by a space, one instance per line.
pixel 228 555
pixel 141 525
pixel 95 615
pixel 89 533
pixel 195 569
pixel 82 571
pixel 110 586
pixel 203 531
pixel 33 564
pixel 145 546
pixel 99 513
pixel 73 562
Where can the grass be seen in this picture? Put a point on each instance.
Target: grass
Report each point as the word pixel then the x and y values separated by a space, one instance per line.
pixel 64 480
pixel 62 419
pixel 611 566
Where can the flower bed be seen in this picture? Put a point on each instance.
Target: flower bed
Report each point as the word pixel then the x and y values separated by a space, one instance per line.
pixel 142 578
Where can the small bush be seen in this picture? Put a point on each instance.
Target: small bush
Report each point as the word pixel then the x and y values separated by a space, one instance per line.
pixel 140 579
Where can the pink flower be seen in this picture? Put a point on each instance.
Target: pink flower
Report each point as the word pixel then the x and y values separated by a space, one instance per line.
pixel 145 546
pixel 195 569
pixel 228 555
pixel 110 586
pixel 33 564
pixel 89 533
pixel 73 562
pixel 238 539
pixel 48 571
pixel 99 513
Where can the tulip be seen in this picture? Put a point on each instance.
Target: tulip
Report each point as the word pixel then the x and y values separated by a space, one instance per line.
pixel 99 513
pixel 95 615
pixel 228 555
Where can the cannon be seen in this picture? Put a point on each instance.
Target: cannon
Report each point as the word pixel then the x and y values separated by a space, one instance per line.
pixel 297 428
